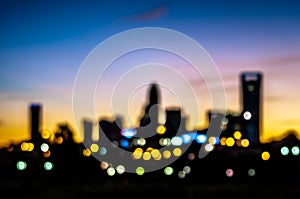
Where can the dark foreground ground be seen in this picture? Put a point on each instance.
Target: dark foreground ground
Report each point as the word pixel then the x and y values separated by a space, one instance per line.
pixel 142 188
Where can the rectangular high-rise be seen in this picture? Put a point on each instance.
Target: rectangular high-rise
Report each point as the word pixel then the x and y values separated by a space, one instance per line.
pixel 35 122
pixel 252 105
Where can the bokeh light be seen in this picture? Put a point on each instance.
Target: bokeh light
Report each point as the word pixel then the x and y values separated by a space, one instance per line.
pixel 140 171
pixel 46 134
pixel 44 147
pixel 128 133
pixel 284 150
pixel 161 129
pixel 295 150
pixel 137 153
pixel 146 155
pixel 86 152
pixel 181 174
pixel 48 166
pixel 141 141
pixel 229 172
pixel 201 138
pixel 111 171
pixel 245 143
pixel 237 135
pixel 187 169
pixel 177 151
pixel 265 155
pixel 230 141
pixel 94 148
pixel 156 155
pixel 251 172
pixel 168 171
pixel 247 115
pixel 102 151
pixel 104 165
pixel 167 154
pixel 21 165
pixel 176 141
pixel 120 169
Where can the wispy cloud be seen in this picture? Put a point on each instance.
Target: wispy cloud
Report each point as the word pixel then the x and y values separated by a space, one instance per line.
pixel 151 14
pixel 280 61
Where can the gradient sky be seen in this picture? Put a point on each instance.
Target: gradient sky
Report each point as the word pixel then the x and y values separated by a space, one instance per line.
pixel 43 44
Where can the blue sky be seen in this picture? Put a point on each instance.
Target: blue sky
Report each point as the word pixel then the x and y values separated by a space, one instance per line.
pixel 43 44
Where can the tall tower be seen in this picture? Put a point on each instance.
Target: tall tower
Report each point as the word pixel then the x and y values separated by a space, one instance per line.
pixel 252 105
pixel 173 122
pixel 151 110
pixel 35 122
pixel 87 132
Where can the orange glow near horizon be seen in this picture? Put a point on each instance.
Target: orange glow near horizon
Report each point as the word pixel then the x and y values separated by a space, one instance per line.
pixel 17 129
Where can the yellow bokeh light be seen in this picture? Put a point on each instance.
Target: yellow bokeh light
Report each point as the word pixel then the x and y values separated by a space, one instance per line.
pixel 223 141
pixel 155 154
pixel 161 129
pixel 177 151
pixel 146 155
pixel 86 152
pixel 59 140
pixel 31 146
pixel 167 154
pixel 212 140
pixel 139 149
pixel 94 148
pixel 245 142
pixel 46 134
pixel 24 146
pixel 237 135
pixel 149 149
pixel 137 154
pixel 230 142
pixel 265 155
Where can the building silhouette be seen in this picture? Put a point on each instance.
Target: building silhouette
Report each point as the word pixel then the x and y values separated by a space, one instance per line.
pixel 230 159
pixel 252 105
pixel 35 122
pixel 87 132
pixel 173 121
pixel 151 109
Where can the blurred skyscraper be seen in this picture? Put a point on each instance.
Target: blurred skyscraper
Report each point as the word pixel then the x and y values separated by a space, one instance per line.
pixel 252 104
pixel 35 123
pixel 87 132
pixel 151 110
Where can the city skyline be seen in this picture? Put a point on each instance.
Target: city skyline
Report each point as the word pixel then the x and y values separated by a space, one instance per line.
pixel 42 49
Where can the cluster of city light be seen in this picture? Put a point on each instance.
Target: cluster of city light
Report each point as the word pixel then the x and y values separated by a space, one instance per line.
pixel 120 169
pixel 155 154
pixel 185 170
pixel 27 146
pixel 22 165
pixel 230 172
pixel 94 148
pixel 294 150
pixel 46 150
pixel 236 140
